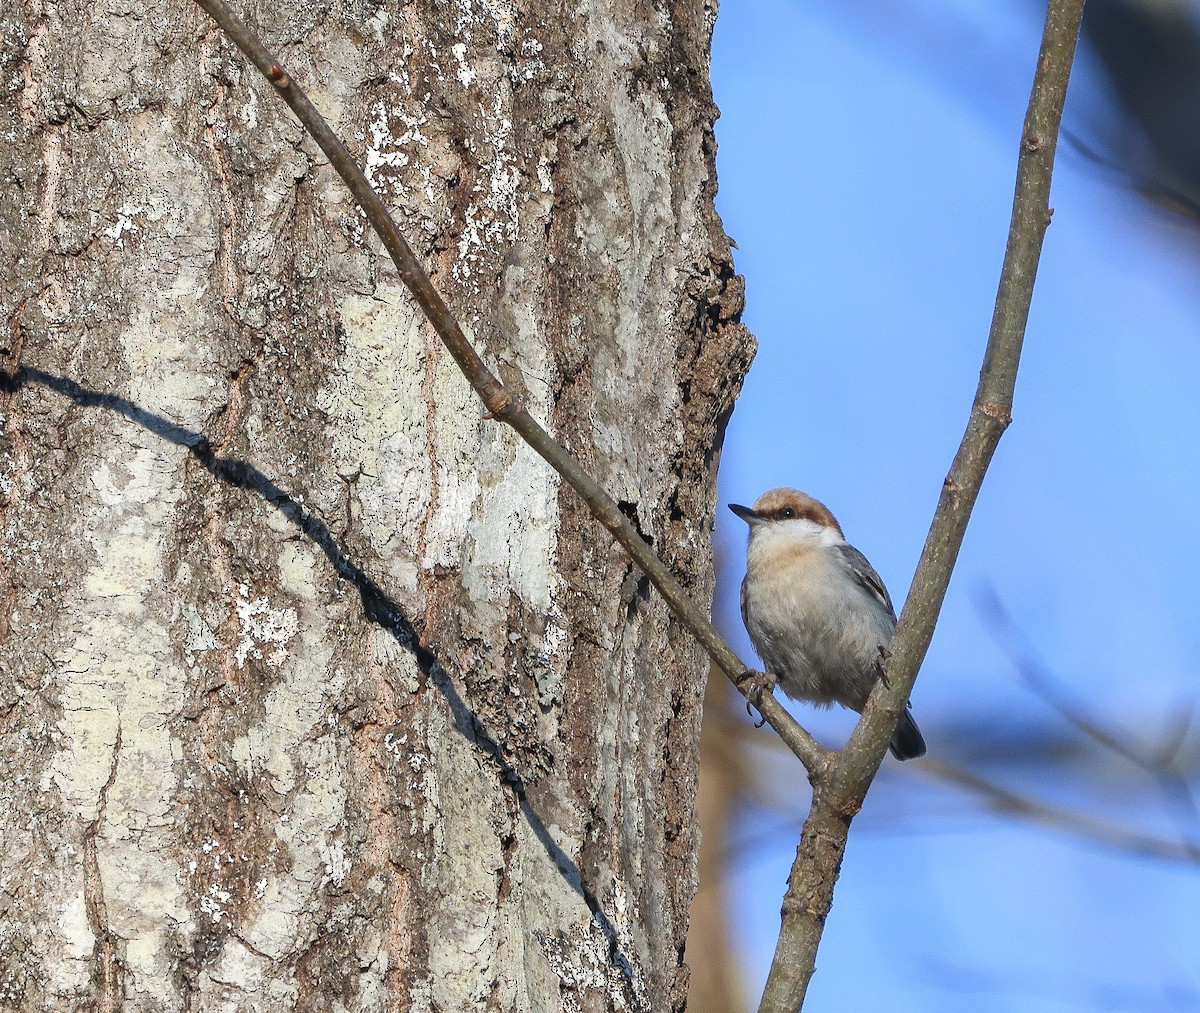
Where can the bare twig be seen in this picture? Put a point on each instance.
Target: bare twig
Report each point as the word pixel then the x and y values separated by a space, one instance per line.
pixel 499 401
pixel 1161 762
pixel 1067 821
pixel 1083 826
pixel 837 799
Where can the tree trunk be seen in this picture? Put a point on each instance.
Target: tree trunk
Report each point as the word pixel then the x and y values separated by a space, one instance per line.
pixel 317 691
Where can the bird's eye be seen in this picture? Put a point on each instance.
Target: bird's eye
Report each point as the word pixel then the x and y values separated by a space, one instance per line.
pixel 787 513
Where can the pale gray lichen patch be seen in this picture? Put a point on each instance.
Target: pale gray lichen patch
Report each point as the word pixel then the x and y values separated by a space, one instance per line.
pixel 373 398
pixel 305 766
pixel 582 959
pixel 396 140
pixel 514 535
pixel 491 220
pixel 119 673
pixel 265 631
pixel 244 980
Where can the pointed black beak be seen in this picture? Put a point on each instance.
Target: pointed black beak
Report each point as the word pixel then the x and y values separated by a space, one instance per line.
pixel 745 513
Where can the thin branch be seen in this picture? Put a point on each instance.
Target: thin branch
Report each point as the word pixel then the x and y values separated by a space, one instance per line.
pixel 499 401
pixel 1161 763
pixel 1066 821
pixel 1071 823
pixel 836 801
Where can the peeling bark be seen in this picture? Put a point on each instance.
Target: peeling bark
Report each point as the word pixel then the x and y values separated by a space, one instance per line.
pixel 316 690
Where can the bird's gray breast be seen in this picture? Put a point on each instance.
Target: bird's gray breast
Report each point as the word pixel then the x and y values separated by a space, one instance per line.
pixel 818 630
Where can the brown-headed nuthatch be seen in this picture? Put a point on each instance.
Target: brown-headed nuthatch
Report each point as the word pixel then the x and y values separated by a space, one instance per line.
pixel 815 609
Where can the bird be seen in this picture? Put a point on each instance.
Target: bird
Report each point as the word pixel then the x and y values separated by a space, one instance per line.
pixel 817 612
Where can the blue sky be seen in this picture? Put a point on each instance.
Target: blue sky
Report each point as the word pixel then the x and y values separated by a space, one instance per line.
pixel 866 167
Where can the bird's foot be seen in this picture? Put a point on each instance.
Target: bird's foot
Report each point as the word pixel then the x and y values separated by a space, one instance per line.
pixel 884 655
pixel 755 685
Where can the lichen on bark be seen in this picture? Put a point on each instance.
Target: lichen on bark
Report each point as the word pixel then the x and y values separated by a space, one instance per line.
pixel 350 703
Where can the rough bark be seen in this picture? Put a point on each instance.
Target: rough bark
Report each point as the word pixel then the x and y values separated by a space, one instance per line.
pixel 316 690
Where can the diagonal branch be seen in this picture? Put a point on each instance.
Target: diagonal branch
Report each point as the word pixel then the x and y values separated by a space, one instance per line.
pixel 500 402
pixel 1080 825
pixel 1161 762
pixel 837 799
pixel 1076 824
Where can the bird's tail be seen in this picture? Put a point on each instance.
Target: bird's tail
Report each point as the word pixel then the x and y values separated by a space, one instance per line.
pixel 907 743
